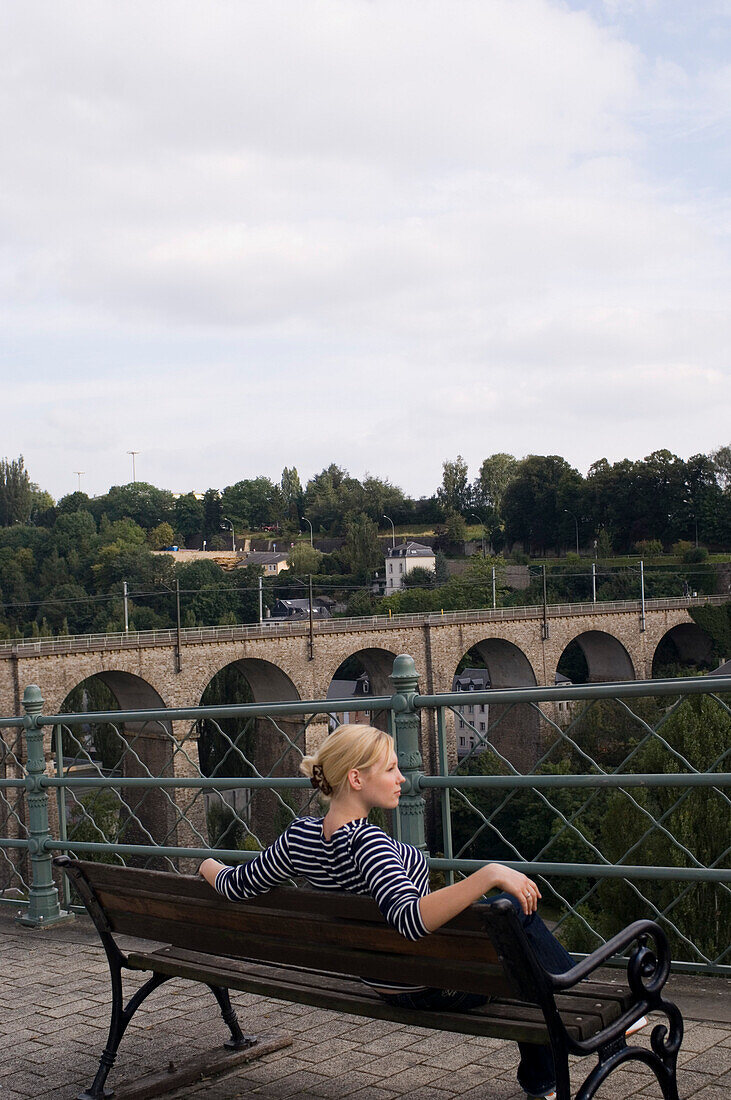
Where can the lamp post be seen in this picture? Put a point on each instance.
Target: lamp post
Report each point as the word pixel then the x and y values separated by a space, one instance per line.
pixel 226 520
pixel 576 523
pixel 134 472
pixel 393 531
pixel 482 537
pixel 305 520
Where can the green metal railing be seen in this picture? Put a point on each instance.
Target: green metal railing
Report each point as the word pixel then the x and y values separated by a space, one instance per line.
pixel 613 796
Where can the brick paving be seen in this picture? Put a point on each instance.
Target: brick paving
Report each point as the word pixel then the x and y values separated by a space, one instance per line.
pixel 54 997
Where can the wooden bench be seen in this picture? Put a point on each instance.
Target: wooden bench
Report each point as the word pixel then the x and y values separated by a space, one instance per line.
pixel 311 947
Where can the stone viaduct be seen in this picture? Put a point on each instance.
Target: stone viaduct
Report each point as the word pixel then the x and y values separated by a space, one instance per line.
pixel 285 662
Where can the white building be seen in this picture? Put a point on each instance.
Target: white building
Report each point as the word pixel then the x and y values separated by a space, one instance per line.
pixel 473 718
pixel 400 560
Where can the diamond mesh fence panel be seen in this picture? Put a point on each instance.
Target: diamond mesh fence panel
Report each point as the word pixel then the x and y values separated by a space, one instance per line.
pixel 645 826
pixel 14 867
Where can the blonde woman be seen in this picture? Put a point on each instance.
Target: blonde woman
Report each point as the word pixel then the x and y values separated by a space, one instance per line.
pixel 356 770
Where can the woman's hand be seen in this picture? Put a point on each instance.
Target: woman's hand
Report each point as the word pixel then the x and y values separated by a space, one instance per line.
pixel 208 870
pixel 517 884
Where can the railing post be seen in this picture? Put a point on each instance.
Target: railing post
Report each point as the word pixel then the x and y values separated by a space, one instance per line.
pixel 43 906
pixel 412 807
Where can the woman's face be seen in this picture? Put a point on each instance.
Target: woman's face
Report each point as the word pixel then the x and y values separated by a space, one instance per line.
pixel 381 783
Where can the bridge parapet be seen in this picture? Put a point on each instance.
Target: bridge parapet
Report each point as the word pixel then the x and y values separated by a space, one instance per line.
pixel 604 833
pixel 275 628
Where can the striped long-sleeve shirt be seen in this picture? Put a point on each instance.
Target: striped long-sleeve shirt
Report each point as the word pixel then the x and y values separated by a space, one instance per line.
pixel 359 857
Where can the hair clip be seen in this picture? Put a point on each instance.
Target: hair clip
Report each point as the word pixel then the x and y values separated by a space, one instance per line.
pixel 319 781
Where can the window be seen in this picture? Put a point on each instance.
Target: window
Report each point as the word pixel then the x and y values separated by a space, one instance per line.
pixel 482 727
pixel 461 723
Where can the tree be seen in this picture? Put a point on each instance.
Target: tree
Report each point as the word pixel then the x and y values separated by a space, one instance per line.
pixel 16 492
pixel 362 549
pixel 293 496
pixel 496 473
pixel 722 465
pixel 139 501
pixel 75 531
pixel 303 559
pixel 160 537
pixel 73 502
pixel 441 569
pixel 214 596
pixel 611 502
pixel 381 497
pixel 419 578
pixel 454 494
pixel 663 489
pixel 698 820
pixel 212 514
pixel 360 603
pixel 253 503
pixel 188 517
pixel 42 506
pixel 330 496
pixel 535 500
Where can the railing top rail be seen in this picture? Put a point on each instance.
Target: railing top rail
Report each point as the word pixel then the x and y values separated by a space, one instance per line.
pixel 27 647
pixel 685 685
pixel 241 710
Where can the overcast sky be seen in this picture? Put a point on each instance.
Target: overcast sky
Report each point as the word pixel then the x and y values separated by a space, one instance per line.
pixel 236 236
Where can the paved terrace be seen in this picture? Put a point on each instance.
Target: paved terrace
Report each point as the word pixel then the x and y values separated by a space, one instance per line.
pixel 54 997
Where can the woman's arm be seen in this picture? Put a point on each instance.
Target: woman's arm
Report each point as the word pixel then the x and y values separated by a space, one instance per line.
pixel 437 908
pixel 267 869
pixel 209 868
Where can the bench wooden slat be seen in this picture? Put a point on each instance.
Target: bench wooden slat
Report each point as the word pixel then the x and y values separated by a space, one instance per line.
pixel 214 914
pixel 373 965
pixel 325 904
pixel 506 1019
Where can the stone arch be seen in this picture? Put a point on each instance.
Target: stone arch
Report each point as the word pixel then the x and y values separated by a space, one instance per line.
pixel 141 748
pixel 684 644
pixel 513 729
pixel 603 658
pixel 268 682
pixel 266 746
pixel 377 664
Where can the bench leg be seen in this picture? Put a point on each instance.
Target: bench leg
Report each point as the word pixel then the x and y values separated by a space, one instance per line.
pixel 662 1059
pixel 238 1040
pixel 121 1017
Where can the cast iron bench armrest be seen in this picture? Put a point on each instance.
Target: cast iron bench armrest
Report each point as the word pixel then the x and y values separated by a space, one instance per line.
pixel 642 964
pixel 647 972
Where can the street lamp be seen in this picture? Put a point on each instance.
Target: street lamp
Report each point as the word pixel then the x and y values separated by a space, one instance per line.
pixel 305 520
pixel 233 533
pixel 134 475
pixel 393 531
pixel 576 522
pixel 481 522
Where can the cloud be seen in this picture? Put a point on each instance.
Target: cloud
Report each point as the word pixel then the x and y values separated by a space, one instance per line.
pixel 242 236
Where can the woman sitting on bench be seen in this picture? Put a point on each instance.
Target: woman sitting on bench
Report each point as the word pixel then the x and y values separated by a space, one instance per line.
pixel 356 770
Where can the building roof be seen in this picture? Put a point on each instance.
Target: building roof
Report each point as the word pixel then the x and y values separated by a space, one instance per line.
pixel 471 679
pixel 410 550
pixel 349 689
pixel 301 608
pixel 262 557
pixel 722 670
